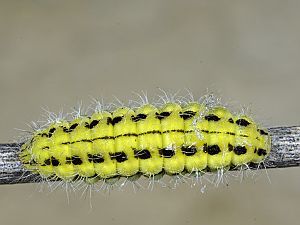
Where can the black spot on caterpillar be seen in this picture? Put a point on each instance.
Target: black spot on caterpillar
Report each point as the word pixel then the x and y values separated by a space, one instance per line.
pixel 242 122
pixel 240 150
pixel 142 154
pixel 212 117
pixel 98 158
pixel 211 149
pixel 189 151
pixel 139 117
pixel 162 115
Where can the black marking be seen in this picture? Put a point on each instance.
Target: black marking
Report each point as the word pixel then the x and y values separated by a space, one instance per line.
pixel 189 151
pixel 151 132
pixel 116 120
pixel 127 135
pixel 230 147
pixel 104 138
pixel 138 117
pixel 142 154
pixel 66 130
pixel 76 160
pixel 212 117
pixel 47 162
pixel 230 133
pixel 187 115
pixel 240 150
pixel 242 122
pixel 262 132
pixel 95 158
pixel 51 131
pixel 45 147
pixel 162 115
pixel 211 149
pixel 92 124
pixel 54 161
pixel 244 135
pixel 166 152
pixel 109 121
pixel 44 135
pixel 71 128
pixel 171 131
pixel 68 160
pixel 230 120
pixel 189 131
pixel 261 152
pixel 119 156
pixel 86 140
pixel 215 132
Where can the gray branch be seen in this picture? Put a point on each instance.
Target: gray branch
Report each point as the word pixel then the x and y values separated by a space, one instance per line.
pixel 285 153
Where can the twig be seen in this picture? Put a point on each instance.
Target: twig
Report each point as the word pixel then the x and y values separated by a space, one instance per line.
pixel 285 153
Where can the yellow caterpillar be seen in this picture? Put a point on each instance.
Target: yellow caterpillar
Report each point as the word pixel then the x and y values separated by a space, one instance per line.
pixel 146 141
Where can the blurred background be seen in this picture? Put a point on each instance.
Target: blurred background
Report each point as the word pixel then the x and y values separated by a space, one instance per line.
pixel 56 53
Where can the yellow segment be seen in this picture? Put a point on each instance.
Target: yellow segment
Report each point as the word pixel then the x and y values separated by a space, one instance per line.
pixel 245 137
pixel 40 154
pixel 125 142
pixel 262 142
pixel 80 147
pixel 59 151
pixel 172 128
pixel 192 138
pixel 218 139
pixel 149 139
pixel 104 145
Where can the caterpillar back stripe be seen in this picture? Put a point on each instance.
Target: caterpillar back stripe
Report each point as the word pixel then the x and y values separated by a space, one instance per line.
pixel 146 140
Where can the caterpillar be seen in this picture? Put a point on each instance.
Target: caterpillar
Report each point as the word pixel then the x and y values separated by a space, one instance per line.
pixel 148 140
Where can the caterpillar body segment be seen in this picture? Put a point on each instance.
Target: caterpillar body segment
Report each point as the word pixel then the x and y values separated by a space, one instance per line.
pixel 150 142
pixel 145 141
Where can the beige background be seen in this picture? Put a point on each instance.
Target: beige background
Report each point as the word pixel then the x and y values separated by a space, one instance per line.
pixel 56 53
